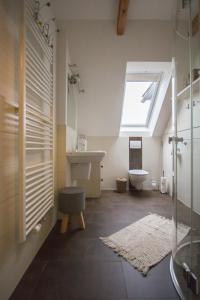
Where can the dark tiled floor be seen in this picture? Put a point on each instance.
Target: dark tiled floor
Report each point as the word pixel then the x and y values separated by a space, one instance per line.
pixel 79 266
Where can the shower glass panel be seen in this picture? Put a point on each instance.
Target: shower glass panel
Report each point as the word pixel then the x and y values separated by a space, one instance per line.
pixel 185 262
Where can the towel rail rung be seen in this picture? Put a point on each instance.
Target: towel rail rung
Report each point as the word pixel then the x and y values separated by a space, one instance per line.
pixel 37 188
pixel 35 30
pixel 34 119
pixel 34 222
pixel 46 139
pixel 37 110
pixel 38 58
pixel 41 86
pixel 29 198
pixel 39 143
pixel 45 127
pixel 41 170
pixel 48 162
pixel 45 179
pixel 39 148
pixel 45 83
pixel 35 90
pixel 43 134
pixel 43 194
pixel 45 97
pixel 38 68
pixel 39 175
pixel 34 209
pixel 41 119
pixel 35 212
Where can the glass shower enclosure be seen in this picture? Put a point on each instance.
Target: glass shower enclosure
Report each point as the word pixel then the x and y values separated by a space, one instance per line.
pixel 185 260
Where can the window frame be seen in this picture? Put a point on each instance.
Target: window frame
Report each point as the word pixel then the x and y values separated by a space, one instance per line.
pixel 153 99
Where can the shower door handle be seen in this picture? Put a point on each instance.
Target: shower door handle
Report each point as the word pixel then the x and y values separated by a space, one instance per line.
pixel 175 139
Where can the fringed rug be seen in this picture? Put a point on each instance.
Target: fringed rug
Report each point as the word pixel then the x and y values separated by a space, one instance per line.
pixel 146 242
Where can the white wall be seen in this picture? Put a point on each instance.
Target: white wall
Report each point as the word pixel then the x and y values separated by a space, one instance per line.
pixel 184 151
pixel 116 161
pixel 167 157
pixel 101 57
pixel 152 159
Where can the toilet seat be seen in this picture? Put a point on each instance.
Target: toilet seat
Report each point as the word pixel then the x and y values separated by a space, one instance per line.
pixel 138 172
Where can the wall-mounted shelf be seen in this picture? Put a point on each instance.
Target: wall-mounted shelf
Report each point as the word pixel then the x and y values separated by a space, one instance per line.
pixel 184 94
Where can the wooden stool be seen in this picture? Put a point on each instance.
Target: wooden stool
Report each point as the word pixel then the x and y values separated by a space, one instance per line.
pixel 71 202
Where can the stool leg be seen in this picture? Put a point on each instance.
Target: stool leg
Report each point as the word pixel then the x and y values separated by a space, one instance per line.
pixel 64 224
pixel 81 220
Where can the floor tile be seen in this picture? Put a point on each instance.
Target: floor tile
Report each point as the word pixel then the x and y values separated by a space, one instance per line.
pixel 97 251
pixel 78 266
pixel 157 284
pixel 28 283
pixel 85 279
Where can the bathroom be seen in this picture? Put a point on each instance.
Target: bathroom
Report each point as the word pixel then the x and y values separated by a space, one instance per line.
pixel 87 134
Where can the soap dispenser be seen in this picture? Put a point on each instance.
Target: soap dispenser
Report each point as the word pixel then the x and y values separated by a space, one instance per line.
pixel 82 142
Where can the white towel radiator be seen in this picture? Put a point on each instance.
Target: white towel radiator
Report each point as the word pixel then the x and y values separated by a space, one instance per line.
pixel 36 125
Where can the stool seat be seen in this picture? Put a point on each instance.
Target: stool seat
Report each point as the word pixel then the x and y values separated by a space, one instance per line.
pixel 72 190
pixel 71 202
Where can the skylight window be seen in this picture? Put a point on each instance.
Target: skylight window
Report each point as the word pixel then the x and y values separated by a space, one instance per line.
pixel 138 100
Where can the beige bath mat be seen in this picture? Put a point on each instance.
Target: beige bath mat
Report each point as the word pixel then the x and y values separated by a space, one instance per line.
pixel 145 242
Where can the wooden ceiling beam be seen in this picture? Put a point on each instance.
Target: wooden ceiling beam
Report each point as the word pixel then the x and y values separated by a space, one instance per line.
pixel 122 16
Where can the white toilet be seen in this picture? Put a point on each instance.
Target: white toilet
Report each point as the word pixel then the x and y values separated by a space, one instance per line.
pixel 137 177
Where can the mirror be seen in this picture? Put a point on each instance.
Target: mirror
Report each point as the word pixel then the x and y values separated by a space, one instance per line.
pixel 71 107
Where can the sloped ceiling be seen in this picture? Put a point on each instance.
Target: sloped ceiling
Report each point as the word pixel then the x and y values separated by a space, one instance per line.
pixel 101 57
pixel 107 9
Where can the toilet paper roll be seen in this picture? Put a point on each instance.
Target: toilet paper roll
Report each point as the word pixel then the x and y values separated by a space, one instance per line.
pixel 163 185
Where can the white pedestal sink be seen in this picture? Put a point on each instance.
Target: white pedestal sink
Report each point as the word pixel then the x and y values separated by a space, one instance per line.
pixel 85 156
pixel 86 170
